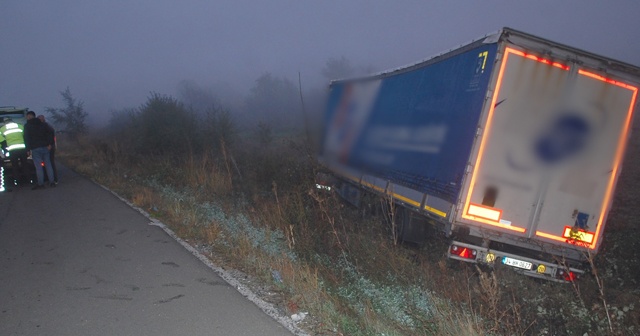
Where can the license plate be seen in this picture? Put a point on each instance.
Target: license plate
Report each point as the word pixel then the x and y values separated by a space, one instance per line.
pixel 517 263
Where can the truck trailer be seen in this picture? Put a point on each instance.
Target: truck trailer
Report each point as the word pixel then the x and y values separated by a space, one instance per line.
pixel 511 144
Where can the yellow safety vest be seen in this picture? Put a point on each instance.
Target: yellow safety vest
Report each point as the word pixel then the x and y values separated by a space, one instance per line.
pixel 13 133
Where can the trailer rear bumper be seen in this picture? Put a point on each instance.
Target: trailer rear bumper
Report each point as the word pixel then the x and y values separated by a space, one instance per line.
pixel 527 266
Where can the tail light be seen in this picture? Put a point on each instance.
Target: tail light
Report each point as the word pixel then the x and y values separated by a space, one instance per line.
pixel 463 252
pixel 566 275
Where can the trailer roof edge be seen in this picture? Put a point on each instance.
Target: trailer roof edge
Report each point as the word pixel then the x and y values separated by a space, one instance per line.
pixel 493 37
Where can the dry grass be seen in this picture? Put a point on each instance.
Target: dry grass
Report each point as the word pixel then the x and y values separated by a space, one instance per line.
pixel 211 233
pixel 202 173
pixel 144 198
pixel 344 267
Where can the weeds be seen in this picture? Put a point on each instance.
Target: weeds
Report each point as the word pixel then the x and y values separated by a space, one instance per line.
pixel 333 262
pixel 328 218
pixel 389 210
pixel 600 284
pixel 203 175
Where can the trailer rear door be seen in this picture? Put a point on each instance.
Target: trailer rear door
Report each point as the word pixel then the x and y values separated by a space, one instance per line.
pixel 550 150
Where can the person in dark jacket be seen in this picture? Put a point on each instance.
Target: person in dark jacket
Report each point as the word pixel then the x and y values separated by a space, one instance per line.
pixel 39 141
pixel 53 149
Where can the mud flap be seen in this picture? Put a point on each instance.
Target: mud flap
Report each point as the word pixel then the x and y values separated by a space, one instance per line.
pixel 409 227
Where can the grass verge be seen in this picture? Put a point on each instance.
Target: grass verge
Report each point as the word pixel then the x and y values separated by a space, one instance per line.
pixel 342 267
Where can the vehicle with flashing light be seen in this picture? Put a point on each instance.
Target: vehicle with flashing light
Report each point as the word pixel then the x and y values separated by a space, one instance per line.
pixel 17 115
pixel 511 144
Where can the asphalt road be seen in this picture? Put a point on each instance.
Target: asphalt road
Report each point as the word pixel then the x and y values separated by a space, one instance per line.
pixel 75 260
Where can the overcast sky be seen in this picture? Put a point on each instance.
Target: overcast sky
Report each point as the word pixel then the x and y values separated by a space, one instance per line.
pixel 112 54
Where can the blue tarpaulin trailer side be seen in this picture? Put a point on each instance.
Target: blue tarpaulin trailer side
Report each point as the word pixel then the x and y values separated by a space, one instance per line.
pixel 414 127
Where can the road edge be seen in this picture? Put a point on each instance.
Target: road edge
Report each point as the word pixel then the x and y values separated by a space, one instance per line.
pixel 266 307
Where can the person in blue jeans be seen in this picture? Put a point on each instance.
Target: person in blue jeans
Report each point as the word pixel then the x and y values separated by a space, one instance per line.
pixel 39 140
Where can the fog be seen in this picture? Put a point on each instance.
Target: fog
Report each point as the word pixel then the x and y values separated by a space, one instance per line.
pixel 113 54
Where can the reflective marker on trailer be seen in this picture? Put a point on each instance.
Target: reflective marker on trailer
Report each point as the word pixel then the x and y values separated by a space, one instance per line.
pixel 577 234
pixel 484 212
pixel 545 61
pixel 541 268
pixel 550 236
pixel 490 258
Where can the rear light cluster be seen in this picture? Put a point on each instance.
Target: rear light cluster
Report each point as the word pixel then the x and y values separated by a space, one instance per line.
pixel 566 275
pixel 463 252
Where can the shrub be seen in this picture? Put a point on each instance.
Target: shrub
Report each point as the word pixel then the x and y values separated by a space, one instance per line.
pixel 71 117
pixel 163 125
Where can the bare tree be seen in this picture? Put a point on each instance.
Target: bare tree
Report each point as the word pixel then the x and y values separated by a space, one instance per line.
pixel 71 117
pixel 197 97
pixel 337 68
pixel 274 100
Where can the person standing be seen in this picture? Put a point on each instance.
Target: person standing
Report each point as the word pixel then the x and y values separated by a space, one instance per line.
pixel 39 141
pixel 12 133
pixel 53 149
